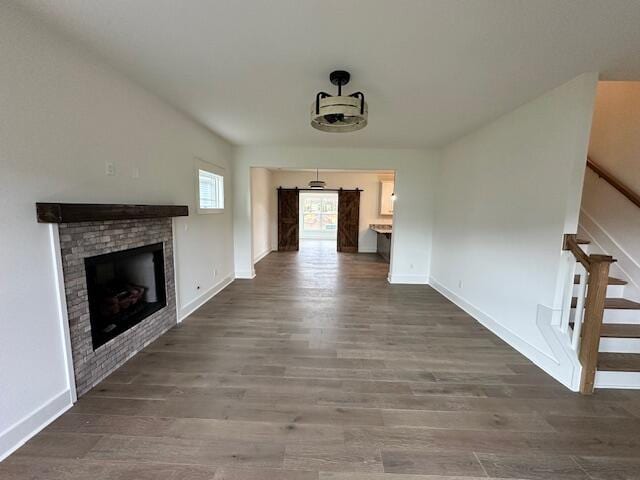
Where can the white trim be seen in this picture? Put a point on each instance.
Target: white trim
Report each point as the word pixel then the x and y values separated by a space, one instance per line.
pixel 262 255
pixel 195 304
pixel 367 250
pixel 20 432
pixel 625 261
pixel 609 237
pixel 176 268
pixel 564 372
pixel 409 279
pixel 626 380
pixel 61 303
pixel 214 169
pixel 243 275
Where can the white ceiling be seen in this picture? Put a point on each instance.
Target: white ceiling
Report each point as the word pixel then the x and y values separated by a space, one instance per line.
pixel 330 170
pixel 431 69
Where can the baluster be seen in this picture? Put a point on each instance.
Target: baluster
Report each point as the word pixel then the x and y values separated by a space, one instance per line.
pixel 579 313
pixel 566 310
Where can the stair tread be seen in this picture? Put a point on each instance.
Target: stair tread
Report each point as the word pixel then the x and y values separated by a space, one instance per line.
pixel 620 330
pixel 619 362
pixel 621 303
pixel 612 280
pixel 582 241
pixel 614 304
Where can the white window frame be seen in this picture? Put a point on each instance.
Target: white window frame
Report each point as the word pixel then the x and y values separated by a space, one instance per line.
pixel 316 234
pixel 213 170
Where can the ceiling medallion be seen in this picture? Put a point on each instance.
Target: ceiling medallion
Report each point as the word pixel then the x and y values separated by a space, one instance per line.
pixel 339 113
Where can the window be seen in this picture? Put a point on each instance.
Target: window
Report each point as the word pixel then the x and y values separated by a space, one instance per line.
pixel 319 215
pixel 210 192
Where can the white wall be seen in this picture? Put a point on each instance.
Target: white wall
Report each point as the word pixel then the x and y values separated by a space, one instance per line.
pixel 608 217
pixel 506 195
pixel 62 116
pixel 368 182
pixel 413 218
pixel 615 138
pixel 612 223
pixel 261 208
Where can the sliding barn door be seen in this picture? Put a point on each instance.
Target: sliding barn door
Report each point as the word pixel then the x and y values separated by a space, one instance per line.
pixel 288 212
pixel 348 220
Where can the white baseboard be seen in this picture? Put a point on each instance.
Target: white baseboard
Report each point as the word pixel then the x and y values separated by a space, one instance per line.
pixel 563 371
pixel 626 380
pixel 410 279
pixel 245 275
pixel 262 255
pixel 195 304
pixel 20 432
pixel 368 250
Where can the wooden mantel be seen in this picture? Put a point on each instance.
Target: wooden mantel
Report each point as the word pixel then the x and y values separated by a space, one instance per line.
pixel 97 212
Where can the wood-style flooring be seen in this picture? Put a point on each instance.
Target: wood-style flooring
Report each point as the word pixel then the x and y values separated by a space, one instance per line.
pixel 318 369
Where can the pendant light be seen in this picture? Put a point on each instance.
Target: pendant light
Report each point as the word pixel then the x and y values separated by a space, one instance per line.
pixel 393 193
pixel 317 184
pixel 339 113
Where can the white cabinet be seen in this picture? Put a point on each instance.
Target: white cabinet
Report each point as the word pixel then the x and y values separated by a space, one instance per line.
pixel 386 198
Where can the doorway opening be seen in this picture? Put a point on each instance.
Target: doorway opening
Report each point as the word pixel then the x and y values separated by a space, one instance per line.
pixel 318 220
pixel 352 214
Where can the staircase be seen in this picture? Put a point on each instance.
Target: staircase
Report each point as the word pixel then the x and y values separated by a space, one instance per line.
pixel 616 359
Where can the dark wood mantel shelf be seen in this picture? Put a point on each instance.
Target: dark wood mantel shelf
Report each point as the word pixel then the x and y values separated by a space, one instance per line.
pixel 97 212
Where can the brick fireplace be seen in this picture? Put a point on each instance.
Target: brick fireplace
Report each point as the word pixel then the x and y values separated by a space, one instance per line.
pixel 87 246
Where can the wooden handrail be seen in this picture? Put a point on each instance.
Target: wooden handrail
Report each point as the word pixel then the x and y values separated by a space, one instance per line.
pixel 597 267
pixel 632 196
pixel 571 244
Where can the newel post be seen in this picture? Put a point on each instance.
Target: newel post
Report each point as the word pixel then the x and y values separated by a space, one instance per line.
pixel 593 315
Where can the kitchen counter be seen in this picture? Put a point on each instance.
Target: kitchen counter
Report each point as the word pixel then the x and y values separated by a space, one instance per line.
pixel 384 232
pixel 381 228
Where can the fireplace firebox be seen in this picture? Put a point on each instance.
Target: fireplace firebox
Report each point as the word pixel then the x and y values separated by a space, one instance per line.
pixel 124 288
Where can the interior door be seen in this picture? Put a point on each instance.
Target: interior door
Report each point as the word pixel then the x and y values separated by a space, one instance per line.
pixel 288 208
pixel 348 220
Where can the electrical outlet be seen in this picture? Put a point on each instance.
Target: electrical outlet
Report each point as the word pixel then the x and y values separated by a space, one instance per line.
pixel 110 168
pixel 459 283
pixel 215 272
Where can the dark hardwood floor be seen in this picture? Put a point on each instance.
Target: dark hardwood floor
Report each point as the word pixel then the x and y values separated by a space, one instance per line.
pixel 318 369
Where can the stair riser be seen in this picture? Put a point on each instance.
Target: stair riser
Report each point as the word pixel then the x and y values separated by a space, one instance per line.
pixel 591 248
pixel 620 345
pixel 622 316
pixel 588 248
pixel 617 316
pixel 613 291
pixel 630 380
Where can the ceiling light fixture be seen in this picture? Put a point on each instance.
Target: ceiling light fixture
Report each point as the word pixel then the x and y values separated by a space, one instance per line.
pixel 317 184
pixel 339 113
